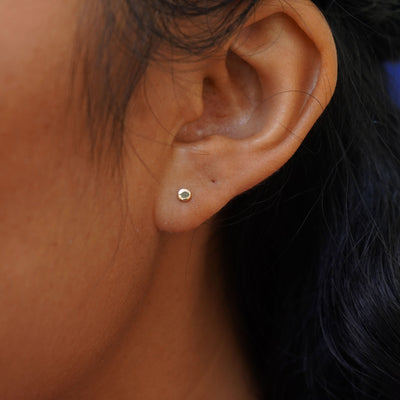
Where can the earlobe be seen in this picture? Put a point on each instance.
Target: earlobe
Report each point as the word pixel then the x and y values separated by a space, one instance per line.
pixel 259 102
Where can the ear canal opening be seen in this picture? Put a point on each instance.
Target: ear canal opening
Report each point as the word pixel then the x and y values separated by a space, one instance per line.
pixel 232 100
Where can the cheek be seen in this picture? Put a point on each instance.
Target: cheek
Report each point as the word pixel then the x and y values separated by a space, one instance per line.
pixel 69 284
pixel 72 266
pixel 73 262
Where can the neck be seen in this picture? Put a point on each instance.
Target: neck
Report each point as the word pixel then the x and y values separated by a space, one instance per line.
pixel 181 343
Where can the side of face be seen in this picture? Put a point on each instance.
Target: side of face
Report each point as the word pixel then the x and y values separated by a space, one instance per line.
pixel 78 245
pixel 69 278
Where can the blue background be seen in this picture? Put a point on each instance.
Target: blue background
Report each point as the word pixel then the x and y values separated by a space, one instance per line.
pixel 393 70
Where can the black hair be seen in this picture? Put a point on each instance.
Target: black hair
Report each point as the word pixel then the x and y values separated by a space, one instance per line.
pixel 312 255
pixel 314 252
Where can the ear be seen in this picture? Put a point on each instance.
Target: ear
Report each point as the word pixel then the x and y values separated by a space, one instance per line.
pixel 260 98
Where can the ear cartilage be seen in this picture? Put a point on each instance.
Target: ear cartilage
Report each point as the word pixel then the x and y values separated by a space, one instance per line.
pixel 184 195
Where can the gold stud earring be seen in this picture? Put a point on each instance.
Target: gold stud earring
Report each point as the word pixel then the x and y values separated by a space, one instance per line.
pixel 184 195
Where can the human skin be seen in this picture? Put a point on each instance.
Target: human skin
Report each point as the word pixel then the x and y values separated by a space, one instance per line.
pixel 97 298
pixel 67 277
pixel 77 247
